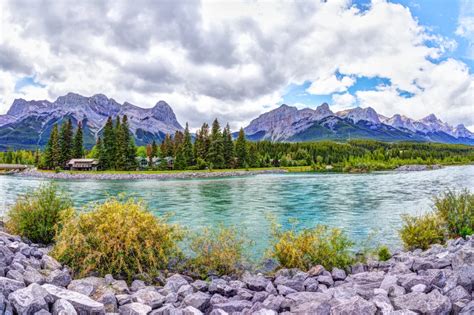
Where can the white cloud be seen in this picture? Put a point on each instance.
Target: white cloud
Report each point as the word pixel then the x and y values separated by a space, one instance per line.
pixel 465 26
pixel 342 101
pixel 231 60
pixel 331 84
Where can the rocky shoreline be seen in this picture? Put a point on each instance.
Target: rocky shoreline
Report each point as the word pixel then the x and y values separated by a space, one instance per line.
pixel 437 281
pixel 418 168
pixel 134 176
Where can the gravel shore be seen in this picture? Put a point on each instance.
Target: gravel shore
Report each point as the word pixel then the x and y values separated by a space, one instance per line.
pixel 437 281
pixel 133 176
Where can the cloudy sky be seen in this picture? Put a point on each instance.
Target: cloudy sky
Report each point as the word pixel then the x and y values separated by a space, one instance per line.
pixel 237 59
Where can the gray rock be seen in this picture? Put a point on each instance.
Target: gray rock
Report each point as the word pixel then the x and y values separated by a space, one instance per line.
pixel 42 312
pixel 175 282
pixel 82 303
pixel 295 284
pixel 383 304
pixel 63 307
pixel 298 298
pixel 273 302
pixel 264 311
pixel 15 275
pixel 123 299
pixel 458 293
pixel 87 286
pixel 185 290
pixel 234 306
pixel 6 255
pixel 7 285
pixel 149 297
pixel 255 283
pixel 200 285
pixel 48 262
pixel 284 290
pixel 316 270
pixel 260 296
pixel 357 268
pixel 134 309
pixel 199 300
pixel 326 280
pixel 466 277
pixel 354 305
pixel 432 303
pixel 109 300
pixel 468 309
pixel 58 277
pixel 189 310
pixel 338 274
pixel 220 286
pixel 31 275
pixel 30 299
pixel 120 287
pixel 419 288
pixel 311 284
pixel 137 285
pixel 217 299
pixel 270 288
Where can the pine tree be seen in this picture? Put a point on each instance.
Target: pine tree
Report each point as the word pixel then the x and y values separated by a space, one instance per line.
pixel 109 145
pixel 154 149
pixel 188 153
pixel 229 150
pixel 100 153
pixel 167 147
pixel 201 146
pixel 53 150
pixel 241 149
pixel 253 155
pixel 180 161
pixel 129 142
pixel 178 140
pixel 65 142
pixel 216 147
pixel 78 151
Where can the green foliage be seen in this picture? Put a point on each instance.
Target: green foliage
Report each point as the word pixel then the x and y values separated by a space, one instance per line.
pixel 422 231
pixel 383 253
pixel 229 150
pixel 65 143
pixel 217 251
pixel 78 148
pixel 119 237
pixel 187 150
pixel 109 146
pixel 241 149
pixel 457 211
pixel 322 245
pixel 216 147
pixel 37 215
pixel 52 154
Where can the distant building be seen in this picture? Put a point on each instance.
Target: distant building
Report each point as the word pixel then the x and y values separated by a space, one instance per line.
pixel 155 162
pixel 83 164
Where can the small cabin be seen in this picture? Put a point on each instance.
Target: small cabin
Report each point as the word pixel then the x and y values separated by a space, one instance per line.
pixel 83 164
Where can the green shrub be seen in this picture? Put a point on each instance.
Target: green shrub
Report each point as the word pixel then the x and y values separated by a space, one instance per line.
pixel 118 237
pixel 38 214
pixel 384 253
pixel 322 245
pixel 421 231
pixel 219 250
pixel 457 212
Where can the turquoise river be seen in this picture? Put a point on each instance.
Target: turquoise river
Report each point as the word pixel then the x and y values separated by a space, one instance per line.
pixel 360 204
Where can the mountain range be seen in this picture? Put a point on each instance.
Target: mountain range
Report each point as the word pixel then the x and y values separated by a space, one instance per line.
pixel 28 124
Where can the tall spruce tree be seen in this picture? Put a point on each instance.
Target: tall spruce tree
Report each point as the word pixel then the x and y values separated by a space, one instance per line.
pixel 78 151
pixel 188 153
pixel 241 149
pixel 229 150
pixel 121 141
pixel 66 142
pixel 201 145
pixel 216 146
pixel 109 145
pixel 129 143
pixel 178 140
pixel 154 149
pixel 167 146
pixel 100 153
pixel 53 149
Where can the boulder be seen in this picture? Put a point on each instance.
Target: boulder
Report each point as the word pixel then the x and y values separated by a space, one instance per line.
pixel 326 280
pixel 295 284
pixel 273 302
pixel 255 282
pixel 82 303
pixel 468 309
pixel 316 270
pixel 137 285
pixel 199 300
pixel 109 300
pixel 134 309
pixel 432 303
pixel 200 285
pixel 189 310
pixel 30 299
pixel 7 285
pixel 15 275
pixel 63 307
pixel 338 274
pixel 32 275
pixel 59 278
pixel 149 297
pixel 457 294
pixel 233 306
pixel 87 286
pixel 175 282
pixel 48 262
pixel 383 304
pixel 354 305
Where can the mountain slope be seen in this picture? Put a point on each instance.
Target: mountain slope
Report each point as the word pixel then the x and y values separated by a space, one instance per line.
pixel 287 123
pixel 28 123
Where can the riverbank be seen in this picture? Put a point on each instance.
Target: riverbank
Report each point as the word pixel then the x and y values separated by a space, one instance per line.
pixel 190 174
pixel 437 281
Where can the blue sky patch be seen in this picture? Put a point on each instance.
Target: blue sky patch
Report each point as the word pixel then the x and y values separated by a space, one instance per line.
pixel 27 81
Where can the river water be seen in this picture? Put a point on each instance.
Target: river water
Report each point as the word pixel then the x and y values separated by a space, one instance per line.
pixel 361 204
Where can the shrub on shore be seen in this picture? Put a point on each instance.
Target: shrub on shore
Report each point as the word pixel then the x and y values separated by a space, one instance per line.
pixel 453 216
pixel 421 231
pixel 457 212
pixel 119 237
pixel 322 245
pixel 217 251
pixel 38 215
pixel 383 253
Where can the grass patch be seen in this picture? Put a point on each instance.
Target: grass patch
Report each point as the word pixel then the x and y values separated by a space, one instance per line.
pixel 456 209
pixel 118 237
pixel 38 215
